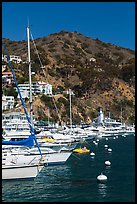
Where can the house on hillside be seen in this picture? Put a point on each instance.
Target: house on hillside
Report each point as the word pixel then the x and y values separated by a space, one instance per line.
pixel 7 102
pixel 25 90
pixel 4 58
pixel 7 78
pixel 45 88
pixel 13 58
pixel 37 88
pixel 3 67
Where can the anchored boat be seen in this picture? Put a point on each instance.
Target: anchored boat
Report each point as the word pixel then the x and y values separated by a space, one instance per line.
pixel 81 150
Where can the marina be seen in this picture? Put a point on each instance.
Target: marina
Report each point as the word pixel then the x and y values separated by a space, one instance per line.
pixel 68 132
pixel 76 180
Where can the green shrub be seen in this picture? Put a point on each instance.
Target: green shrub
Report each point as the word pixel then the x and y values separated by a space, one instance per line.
pixel 70 35
pixel 61 88
pixel 11 91
pixel 52 50
pixel 64 101
pixel 48 101
pixel 65 46
pixel 51 46
pixel 78 50
pixel 84 45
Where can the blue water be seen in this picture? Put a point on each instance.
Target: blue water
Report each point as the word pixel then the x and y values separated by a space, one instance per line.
pixel 76 181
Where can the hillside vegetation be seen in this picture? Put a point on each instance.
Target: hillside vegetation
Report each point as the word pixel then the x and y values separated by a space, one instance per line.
pixel 100 75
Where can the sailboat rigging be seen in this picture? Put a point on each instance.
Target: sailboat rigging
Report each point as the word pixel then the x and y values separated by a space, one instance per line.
pixel 29 119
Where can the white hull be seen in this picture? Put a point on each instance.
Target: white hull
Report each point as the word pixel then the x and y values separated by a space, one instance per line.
pixel 20 171
pixel 49 159
pixel 59 146
pixel 57 158
pixel 110 133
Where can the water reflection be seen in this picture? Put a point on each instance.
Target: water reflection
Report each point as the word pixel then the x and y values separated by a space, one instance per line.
pixel 108 168
pixel 92 158
pixel 102 189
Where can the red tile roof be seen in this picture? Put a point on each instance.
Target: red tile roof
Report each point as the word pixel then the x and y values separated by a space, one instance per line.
pixel 6 73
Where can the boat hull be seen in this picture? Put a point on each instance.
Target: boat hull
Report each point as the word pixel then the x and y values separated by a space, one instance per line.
pixel 57 158
pixel 20 171
pixel 47 159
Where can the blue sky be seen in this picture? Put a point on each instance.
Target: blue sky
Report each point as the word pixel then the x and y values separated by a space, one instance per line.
pixel 111 22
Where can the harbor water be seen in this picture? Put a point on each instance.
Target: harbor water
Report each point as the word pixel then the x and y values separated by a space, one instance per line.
pixel 76 180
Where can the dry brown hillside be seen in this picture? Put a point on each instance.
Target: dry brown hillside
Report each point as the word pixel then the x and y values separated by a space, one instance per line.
pixel 99 73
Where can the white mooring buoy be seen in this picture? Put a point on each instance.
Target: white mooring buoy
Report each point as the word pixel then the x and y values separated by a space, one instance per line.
pixel 106 146
pixel 109 150
pixel 108 163
pixel 101 178
pixel 92 154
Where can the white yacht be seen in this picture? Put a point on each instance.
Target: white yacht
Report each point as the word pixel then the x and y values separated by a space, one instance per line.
pixel 30 155
pixel 110 127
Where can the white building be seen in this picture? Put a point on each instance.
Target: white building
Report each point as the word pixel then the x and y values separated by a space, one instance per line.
pixel 13 58
pixel 7 102
pixel 92 59
pixel 3 67
pixel 37 88
pixel 25 90
pixel 7 78
pixel 45 88
pixel 4 58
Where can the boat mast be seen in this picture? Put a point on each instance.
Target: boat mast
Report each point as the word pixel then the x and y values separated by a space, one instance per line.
pixel 121 116
pixel 109 115
pixel 70 92
pixel 30 83
pixel 48 117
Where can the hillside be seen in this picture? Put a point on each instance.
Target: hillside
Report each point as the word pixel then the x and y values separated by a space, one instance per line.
pixel 100 74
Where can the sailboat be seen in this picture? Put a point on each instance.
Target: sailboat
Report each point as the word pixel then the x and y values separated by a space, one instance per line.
pixel 12 170
pixel 34 154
